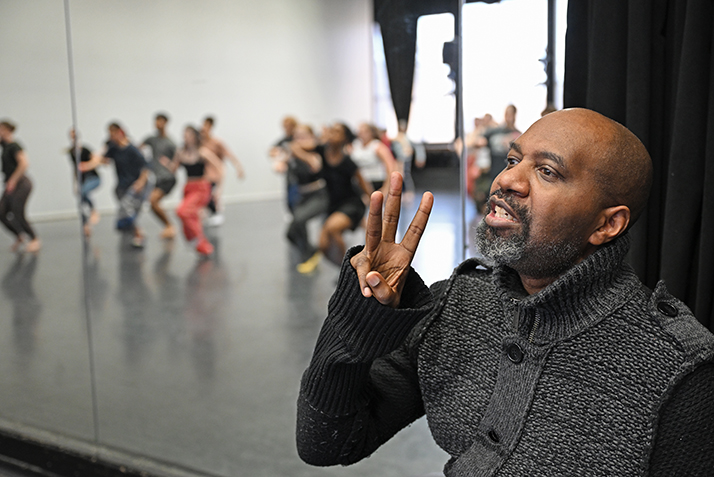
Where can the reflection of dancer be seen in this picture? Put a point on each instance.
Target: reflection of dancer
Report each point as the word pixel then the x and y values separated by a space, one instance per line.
pixel 17 287
pixel 478 156
pixel 207 292
pixel 280 154
pixel 136 301
pixel 499 140
pixel 202 169
pixel 219 148
pixel 306 168
pixel 132 180
pixel 373 157
pixel 404 153
pixel 88 181
pixel 346 207
pixel 17 189
pixel 162 151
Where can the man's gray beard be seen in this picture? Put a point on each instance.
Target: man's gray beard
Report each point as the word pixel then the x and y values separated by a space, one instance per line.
pixel 520 252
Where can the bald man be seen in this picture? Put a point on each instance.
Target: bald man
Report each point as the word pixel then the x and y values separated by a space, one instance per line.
pixel 547 358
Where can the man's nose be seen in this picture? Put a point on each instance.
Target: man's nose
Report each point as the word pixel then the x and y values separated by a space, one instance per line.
pixel 512 179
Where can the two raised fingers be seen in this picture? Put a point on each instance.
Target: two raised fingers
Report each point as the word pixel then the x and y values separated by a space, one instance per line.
pixel 383 231
pixel 380 228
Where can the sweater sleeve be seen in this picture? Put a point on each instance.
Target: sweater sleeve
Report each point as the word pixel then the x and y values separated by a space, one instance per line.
pixel 685 435
pixel 361 386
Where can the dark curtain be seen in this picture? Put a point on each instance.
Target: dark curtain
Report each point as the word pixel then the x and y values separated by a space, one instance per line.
pixel 649 64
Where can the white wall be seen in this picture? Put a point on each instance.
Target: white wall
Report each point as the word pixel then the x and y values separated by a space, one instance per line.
pixel 247 63
pixel 34 93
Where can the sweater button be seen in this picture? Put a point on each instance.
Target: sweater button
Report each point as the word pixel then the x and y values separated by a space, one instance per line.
pixel 667 309
pixel 514 353
pixel 493 435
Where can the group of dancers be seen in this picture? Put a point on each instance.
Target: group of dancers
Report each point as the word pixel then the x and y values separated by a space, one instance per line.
pixel 333 176
pixel 138 179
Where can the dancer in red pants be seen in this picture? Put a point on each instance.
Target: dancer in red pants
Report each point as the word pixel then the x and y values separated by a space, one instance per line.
pixel 202 168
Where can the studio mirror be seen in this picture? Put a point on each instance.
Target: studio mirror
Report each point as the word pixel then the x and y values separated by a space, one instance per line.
pixel 44 358
pixel 197 361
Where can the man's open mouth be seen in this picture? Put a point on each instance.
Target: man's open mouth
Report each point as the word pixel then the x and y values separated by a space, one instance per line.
pixel 500 210
pixel 501 213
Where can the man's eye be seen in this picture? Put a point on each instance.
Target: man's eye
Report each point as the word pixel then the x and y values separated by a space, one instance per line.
pixel 549 173
pixel 511 161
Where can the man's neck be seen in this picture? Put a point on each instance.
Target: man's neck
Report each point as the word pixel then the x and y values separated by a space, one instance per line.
pixel 534 285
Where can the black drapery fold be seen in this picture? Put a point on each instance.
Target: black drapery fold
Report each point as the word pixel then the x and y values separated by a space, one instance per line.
pixel 649 64
pixel 398 22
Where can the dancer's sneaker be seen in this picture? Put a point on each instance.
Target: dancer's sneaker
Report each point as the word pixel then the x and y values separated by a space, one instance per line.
pixel 137 241
pixel 309 265
pixel 215 220
pixel 204 247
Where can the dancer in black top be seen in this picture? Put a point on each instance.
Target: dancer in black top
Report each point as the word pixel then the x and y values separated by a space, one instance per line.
pixel 88 180
pixel 203 168
pixel 347 204
pixel 17 189
pixel 132 179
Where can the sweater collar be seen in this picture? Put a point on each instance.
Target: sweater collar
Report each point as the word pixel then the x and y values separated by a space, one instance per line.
pixel 582 296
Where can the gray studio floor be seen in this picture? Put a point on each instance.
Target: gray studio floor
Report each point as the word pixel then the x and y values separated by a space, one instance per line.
pixel 192 364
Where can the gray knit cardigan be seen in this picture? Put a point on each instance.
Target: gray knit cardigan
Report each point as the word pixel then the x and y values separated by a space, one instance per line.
pixel 594 375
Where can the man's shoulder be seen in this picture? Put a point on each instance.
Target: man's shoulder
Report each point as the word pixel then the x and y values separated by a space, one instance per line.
pixel 677 321
pixel 476 268
pixel 472 276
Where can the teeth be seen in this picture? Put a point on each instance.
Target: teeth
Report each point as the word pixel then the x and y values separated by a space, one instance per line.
pixel 501 213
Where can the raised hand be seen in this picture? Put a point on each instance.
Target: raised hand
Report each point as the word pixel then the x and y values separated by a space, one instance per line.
pixel 383 264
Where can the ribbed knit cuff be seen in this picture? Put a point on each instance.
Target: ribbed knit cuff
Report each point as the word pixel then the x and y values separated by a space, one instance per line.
pixel 368 328
pixel 357 331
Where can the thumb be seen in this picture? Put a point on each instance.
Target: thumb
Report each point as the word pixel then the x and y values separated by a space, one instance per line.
pixel 381 290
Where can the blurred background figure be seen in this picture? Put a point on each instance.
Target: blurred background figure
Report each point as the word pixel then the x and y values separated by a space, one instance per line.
pixel 88 181
pixel 373 157
pixel 133 183
pixel 498 140
pixel 279 154
pixel 478 156
pixel 306 168
pixel 219 148
pixel 404 154
pixel 348 191
pixel 17 189
pixel 202 169
pixel 162 153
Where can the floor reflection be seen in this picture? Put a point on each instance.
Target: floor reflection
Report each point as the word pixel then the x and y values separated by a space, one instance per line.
pixel 207 299
pixel 136 302
pixel 198 361
pixel 18 289
pixel 44 353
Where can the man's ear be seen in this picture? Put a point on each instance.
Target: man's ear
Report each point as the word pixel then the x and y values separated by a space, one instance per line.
pixel 612 222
